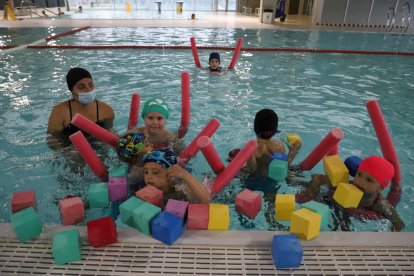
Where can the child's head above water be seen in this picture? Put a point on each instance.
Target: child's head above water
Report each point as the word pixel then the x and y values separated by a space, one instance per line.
pixel 155 114
pixel 156 163
pixel 155 105
pixel 265 123
pixel 214 61
pixel 374 174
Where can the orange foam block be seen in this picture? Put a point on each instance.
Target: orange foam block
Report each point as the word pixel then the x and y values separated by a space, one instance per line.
pixel 22 200
pixel 150 194
pixel 197 217
pixel 248 203
pixel 72 210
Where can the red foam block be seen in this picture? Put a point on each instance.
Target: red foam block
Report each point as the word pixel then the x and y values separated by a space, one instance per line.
pixel 248 203
pixel 197 218
pixel 102 232
pixel 22 200
pixel 72 210
pixel 150 194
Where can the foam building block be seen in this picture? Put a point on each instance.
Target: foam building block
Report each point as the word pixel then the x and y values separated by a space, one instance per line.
pixel 120 171
pixel 293 138
pixel 197 217
pixel 248 203
pixel 335 169
pixel 66 247
pixel 319 208
pixel 285 205
pixel 127 207
pixel 143 215
pixel 287 252
pixel 166 227
pixel 278 167
pixel 150 194
pixel 348 195
pixel 352 163
pixel 26 224
pixel 101 232
pixel 305 224
pixel 72 210
pixel 219 217
pixel 118 189
pixel 177 207
pixel 22 200
pixel 98 195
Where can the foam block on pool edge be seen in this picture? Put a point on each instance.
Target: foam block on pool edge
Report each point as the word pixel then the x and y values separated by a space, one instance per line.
pixel 72 210
pixel 352 163
pixel 22 200
pixel 127 207
pixel 143 215
pixel 248 203
pixel 102 232
pixel 348 195
pixel 177 207
pixel 319 208
pixel 98 195
pixel 219 217
pixel 285 205
pixel 166 227
pixel 118 189
pixel 118 171
pixel 335 169
pixel 197 218
pixel 26 224
pixel 305 224
pixel 150 194
pixel 287 252
pixel 66 247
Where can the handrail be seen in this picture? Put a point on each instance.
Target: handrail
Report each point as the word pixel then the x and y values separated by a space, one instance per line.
pixel 406 7
pixel 390 19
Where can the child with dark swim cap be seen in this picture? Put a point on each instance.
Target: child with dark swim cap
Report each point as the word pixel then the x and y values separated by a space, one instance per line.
pixel 162 172
pixel 214 63
pixel 266 126
pixel 372 177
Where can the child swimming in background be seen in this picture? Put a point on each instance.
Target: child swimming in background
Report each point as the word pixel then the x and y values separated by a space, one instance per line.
pixel 266 126
pixel 372 177
pixel 214 63
pixel 162 172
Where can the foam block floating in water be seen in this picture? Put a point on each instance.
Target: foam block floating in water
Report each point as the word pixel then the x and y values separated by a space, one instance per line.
pixel 150 194
pixel 98 195
pixel 305 224
pixel 198 215
pixel 26 224
pixel 347 195
pixel 248 203
pixel 219 217
pixel 102 232
pixel 285 205
pixel 166 227
pixel 72 210
pixel 22 200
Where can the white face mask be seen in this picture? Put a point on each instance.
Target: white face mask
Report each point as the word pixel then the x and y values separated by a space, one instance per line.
pixel 86 98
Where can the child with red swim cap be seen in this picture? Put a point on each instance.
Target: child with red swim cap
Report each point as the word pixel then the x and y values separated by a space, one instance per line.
pixel 372 177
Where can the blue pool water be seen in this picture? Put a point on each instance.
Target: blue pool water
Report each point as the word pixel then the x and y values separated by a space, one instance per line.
pixel 312 93
pixel 20 36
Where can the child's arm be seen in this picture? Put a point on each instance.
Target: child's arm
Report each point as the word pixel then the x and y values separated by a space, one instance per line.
pixel 385 208
pixel 198 190
pixel 312 191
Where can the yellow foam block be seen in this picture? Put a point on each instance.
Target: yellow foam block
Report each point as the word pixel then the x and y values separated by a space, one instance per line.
pixel 219 217
pixel 335 169
pixel 285 205
pixel 293 138
pixel 305 224
pixel 348 195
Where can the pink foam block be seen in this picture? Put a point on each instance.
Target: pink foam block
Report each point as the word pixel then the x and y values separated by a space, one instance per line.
pixel 177 207
pixel 118 189
pixel 248 203
pixel 197 218
pixel 150 194
pixel 22 200
pixel 71 210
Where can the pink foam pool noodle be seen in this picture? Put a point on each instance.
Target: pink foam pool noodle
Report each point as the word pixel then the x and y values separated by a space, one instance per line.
pixel 185 104
pixel 93 129
pixel 89 155
pixel 192 149
pixel 384 138
pixel 236 53
pixel 195 53
pixel 234 167
pixel 134 111
pixel 330 140
pixel 210 153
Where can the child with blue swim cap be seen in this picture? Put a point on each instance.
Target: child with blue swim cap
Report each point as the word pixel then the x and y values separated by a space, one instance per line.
pixel 162 172
pixel 214 63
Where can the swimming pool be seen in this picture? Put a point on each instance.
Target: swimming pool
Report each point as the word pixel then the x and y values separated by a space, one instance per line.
pixel 312 93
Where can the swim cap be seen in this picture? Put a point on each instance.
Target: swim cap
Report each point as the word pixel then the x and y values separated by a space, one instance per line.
pixel 214 55
pixel 165 158
pixel 155 105
pixel 76 74
pixel 265 123
pixel 379 168
pixel 130 145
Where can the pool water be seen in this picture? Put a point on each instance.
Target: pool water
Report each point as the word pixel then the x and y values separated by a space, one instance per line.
pixel 312 93
pixel 20 36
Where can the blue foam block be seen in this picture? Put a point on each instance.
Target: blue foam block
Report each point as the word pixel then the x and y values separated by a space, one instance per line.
pixel 166 227
pixel 287 251
pixel 352 163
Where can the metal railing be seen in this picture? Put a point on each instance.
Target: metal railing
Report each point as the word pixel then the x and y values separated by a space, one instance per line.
pixel 405 19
